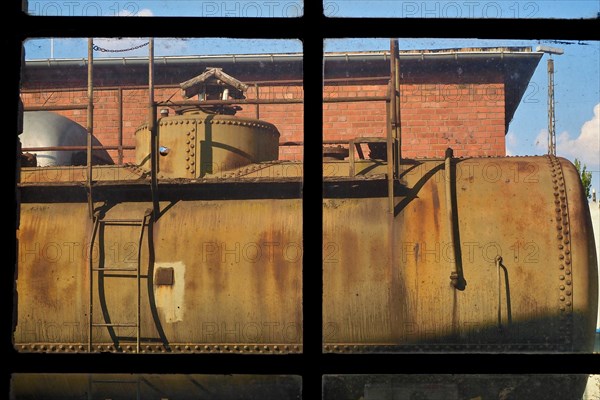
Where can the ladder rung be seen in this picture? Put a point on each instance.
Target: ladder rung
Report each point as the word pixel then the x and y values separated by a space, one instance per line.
pixel 118 325
pixel 115 269
pixel 114 381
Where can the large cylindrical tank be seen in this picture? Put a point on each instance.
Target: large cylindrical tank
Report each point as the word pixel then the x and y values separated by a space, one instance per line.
pixel 48 129
pixel 387 285
pixel 196 144
pixel 221 271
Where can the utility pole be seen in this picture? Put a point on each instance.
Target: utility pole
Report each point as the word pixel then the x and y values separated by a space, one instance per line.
pixel 551 114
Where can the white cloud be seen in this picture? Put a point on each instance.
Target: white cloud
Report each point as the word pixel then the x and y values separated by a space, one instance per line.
pixel 144 12
pixel 585 147
pixel 541 141
pixel 511 143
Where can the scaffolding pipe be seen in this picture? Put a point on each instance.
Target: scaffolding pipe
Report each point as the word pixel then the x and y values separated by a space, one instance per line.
pixel 152 128
pixel 398 130
pixel 391 126
pixel 90 124
pixel 120 137
pixel 551 121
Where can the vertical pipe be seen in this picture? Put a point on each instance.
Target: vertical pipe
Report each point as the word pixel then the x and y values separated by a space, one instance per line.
pixel 392 126
pixel 90 123
pixel 120 133
pixel 456 273
pixel 551 126
pixel 257 98
pixel 390 156
pixel 393 92
pixel 398 130
pixel 449 214
pixel 152 129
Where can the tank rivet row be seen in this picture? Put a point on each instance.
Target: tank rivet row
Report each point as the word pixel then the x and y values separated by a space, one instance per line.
pixel 222 348
pixel 563 246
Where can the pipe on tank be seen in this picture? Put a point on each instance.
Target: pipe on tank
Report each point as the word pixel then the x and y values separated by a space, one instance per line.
pixel 456 276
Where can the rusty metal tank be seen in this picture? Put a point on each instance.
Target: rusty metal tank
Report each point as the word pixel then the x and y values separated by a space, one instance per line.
pixel 387 276
pixel 220 262
pixel 197 143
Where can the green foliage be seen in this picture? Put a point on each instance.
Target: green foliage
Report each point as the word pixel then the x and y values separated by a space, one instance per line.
pixel 586 177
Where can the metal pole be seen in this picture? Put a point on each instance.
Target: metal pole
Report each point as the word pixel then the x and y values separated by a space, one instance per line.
pixel 152 128
pixel 551 124
pixel 120 139
pixel 398 130
pixel 392 126
pixel 390 164
pixel 90 123
pixel 257 98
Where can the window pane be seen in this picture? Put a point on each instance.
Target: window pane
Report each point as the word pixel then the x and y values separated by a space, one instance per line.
pixel 187 235
pixel 413 232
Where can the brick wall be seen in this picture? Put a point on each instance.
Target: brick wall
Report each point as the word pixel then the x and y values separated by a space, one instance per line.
pixel 287 117
pixel 470 118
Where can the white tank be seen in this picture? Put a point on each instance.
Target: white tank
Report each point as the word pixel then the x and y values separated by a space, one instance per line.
pixel 47 129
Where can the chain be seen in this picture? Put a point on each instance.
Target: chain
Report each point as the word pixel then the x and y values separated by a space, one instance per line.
pixel 98 48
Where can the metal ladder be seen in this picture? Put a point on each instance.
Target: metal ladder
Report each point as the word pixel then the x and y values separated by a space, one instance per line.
pixel 98 220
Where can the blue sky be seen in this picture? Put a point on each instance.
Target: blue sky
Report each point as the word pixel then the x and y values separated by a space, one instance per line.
pixel 334 8
pixel 164 8
pixel 463 9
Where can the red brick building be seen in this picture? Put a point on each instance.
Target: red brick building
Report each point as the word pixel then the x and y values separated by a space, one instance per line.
pixel 462 98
